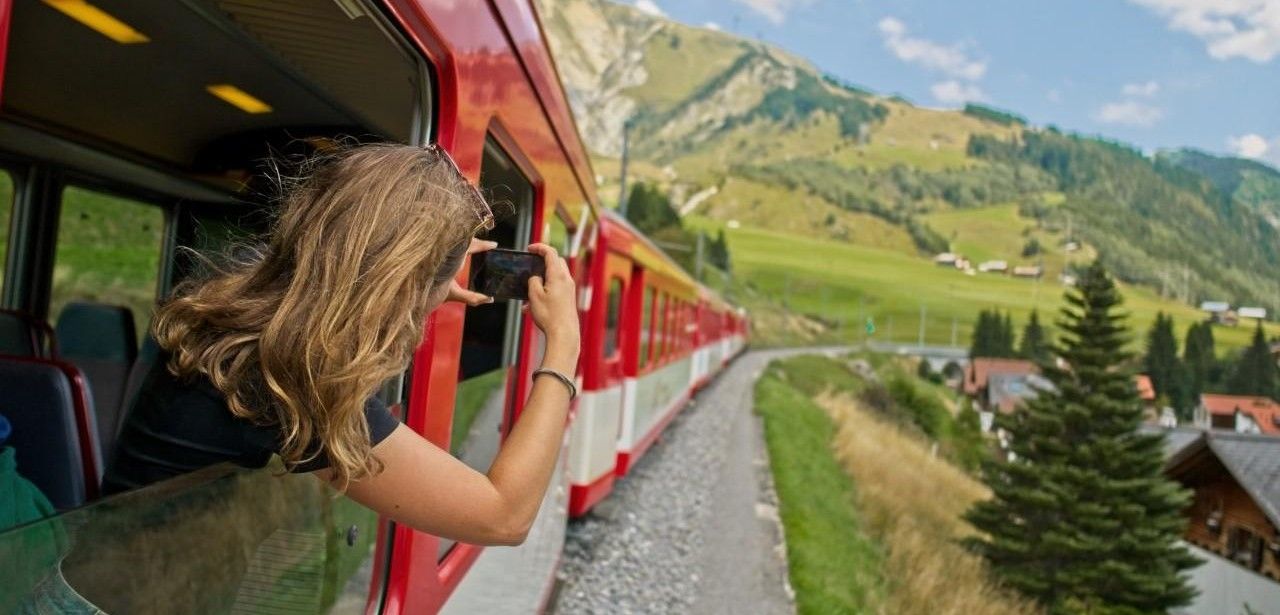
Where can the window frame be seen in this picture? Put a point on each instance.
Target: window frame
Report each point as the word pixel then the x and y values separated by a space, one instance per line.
pixel 614 282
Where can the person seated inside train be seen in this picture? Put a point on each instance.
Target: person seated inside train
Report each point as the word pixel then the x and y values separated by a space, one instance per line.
pixel 281 352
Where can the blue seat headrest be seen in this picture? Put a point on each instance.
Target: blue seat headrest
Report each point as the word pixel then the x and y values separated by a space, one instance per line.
pixel 97 331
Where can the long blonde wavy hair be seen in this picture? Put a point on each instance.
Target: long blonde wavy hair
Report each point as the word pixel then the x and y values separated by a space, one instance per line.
pixel 301 334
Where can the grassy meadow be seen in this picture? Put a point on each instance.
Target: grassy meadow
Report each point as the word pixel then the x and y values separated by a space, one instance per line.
pixel 839 285
pixel 871 513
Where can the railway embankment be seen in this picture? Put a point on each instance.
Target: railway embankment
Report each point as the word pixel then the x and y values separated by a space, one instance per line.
pixel 694 527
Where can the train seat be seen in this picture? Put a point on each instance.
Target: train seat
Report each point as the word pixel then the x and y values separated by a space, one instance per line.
pixel 147 356
pixel 100 340
pixel 23 335
pixel 48 408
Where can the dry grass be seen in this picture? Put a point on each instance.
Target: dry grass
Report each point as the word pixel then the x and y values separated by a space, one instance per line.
pixel 912 503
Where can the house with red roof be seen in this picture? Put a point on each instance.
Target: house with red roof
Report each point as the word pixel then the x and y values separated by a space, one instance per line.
pixel 978 373
pixel 1241 413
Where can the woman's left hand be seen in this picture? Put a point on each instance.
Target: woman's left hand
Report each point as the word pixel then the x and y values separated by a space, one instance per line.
pixel 462 295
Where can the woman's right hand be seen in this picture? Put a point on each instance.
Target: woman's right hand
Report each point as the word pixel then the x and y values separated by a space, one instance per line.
pixel 553 301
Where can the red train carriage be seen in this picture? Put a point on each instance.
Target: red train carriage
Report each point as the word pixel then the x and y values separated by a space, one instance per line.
pixel 131 129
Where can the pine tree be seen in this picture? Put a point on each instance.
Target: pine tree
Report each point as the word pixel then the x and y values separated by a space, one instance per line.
pixel 1198 354
pixel 1034 344
pixel 1255 372
pixel 1082 515
pixel 649 209
pixel 978 345
pixel 987 335
pixel 718 252
pixel 1161 362
pixel 1006 336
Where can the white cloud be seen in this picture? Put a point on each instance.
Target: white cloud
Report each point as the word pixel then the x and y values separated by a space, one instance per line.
pixel 1247 29
pixel 711 25
pixel 650 7
pixel 1129 113
pixel 951 60
pixel 1053 95
pixel 1250 145
pixel 774 10
pixel 1147 89
pixel 952 92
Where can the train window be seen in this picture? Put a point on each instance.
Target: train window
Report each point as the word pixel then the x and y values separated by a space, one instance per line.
pixel 613 317
pixel 491 332
pixel 6 209
pixel 555 232
pixel 646 325
pixel 108 251
pixel 660 328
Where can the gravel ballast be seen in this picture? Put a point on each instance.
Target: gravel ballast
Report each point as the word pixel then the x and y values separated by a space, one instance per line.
pixel 693 528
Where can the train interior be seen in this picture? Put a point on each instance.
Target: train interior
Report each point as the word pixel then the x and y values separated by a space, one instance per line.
pixel 145 129
pixel 149 128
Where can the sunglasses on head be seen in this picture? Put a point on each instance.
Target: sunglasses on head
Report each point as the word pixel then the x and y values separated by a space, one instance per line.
pixel 483 212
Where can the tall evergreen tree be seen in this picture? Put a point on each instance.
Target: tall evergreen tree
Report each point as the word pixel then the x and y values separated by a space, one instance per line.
pixel 1081 516
pixel 1162 365
pixel 992 336
pixel 1255 372
pixel 980 344
pixel 1034 344
pixel 718 252
pixel 649 209
pixel 1006 336
pixel 1198 355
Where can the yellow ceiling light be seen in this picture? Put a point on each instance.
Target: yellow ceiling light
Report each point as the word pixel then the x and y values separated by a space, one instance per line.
pixel 99 21
pixel 239 98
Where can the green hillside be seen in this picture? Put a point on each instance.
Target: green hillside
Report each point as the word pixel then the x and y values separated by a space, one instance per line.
pixel 1248 182
pixel 838 285
pixel 768 142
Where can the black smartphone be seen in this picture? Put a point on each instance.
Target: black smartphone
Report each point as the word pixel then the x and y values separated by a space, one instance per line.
pixel 504 274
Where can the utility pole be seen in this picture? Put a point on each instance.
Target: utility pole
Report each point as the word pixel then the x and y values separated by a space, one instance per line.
pixel 622 175
pixel 924 311
pixel 697 263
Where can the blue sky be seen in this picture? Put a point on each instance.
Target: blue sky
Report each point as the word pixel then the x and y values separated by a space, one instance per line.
pixel 1154 73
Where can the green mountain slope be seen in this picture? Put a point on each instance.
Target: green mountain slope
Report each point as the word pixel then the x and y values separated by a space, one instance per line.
pixel 1249 182
pixel 745 133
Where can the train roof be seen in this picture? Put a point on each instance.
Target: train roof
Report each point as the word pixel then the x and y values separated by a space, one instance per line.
pixel 645 251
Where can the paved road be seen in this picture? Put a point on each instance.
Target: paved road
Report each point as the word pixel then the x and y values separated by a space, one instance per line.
pixel 694 528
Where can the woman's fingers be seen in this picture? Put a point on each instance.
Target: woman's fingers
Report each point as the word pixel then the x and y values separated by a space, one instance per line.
pixel 480 245
pixel 461 295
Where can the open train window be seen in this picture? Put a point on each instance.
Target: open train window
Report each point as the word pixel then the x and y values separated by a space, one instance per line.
pixel 646 326
pixel 612 317
pixel 108 251
pixel 491 332
pixel 6 211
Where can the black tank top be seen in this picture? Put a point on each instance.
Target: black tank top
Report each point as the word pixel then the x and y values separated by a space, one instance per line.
pixel 177 427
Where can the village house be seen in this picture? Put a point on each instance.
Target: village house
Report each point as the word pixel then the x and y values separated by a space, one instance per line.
pixel 1028 271
pixel 994 267
pixel 1240 413
pixel 1011 380
pixel 1233 521
pixel 1152 412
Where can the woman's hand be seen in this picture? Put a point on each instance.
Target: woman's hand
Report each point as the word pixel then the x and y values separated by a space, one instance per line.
pixel 553 301
pixel 462 295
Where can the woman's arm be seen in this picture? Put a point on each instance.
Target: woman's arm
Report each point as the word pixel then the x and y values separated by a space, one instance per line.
pixel 428 489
